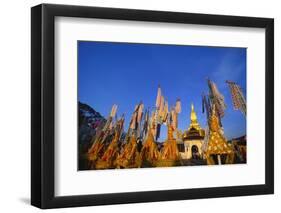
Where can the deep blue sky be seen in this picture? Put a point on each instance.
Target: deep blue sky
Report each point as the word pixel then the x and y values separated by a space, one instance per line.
pixel 125 74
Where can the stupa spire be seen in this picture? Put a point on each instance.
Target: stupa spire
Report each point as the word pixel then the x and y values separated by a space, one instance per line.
pixel 193 116
pixel 193 119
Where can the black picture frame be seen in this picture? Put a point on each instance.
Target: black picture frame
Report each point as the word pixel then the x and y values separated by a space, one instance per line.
pixel 43 111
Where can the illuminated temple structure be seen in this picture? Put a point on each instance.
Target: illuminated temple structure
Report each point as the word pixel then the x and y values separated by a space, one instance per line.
pixel 192 139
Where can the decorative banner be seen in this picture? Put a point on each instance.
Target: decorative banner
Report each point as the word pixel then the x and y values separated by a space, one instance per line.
pixel 158 98
pixel 238 100
pixel 206 105
pixel 178 106
pixel 216 98
pixel 113 111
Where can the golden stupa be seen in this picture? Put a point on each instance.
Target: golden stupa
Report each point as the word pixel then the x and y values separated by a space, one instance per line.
pixel 193 119
pixel 194 128
pixel 218 147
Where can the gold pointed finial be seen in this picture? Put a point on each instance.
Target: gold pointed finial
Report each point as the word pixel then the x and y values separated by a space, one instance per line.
pixel 193 116
pixel 193 119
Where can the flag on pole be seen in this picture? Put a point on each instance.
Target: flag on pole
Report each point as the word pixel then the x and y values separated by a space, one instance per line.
pixel 178 106
pixel 158 98
pixel 140 112
pixel 216 98
pixel 206 105
pixel 238 99
pixel 113 111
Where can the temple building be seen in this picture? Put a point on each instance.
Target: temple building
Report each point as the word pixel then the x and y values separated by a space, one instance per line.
pixel 192 139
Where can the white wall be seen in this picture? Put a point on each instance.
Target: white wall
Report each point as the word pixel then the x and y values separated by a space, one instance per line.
pixel 15 104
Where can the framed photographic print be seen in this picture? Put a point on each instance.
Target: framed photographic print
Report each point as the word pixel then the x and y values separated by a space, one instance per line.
pixel 140 106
